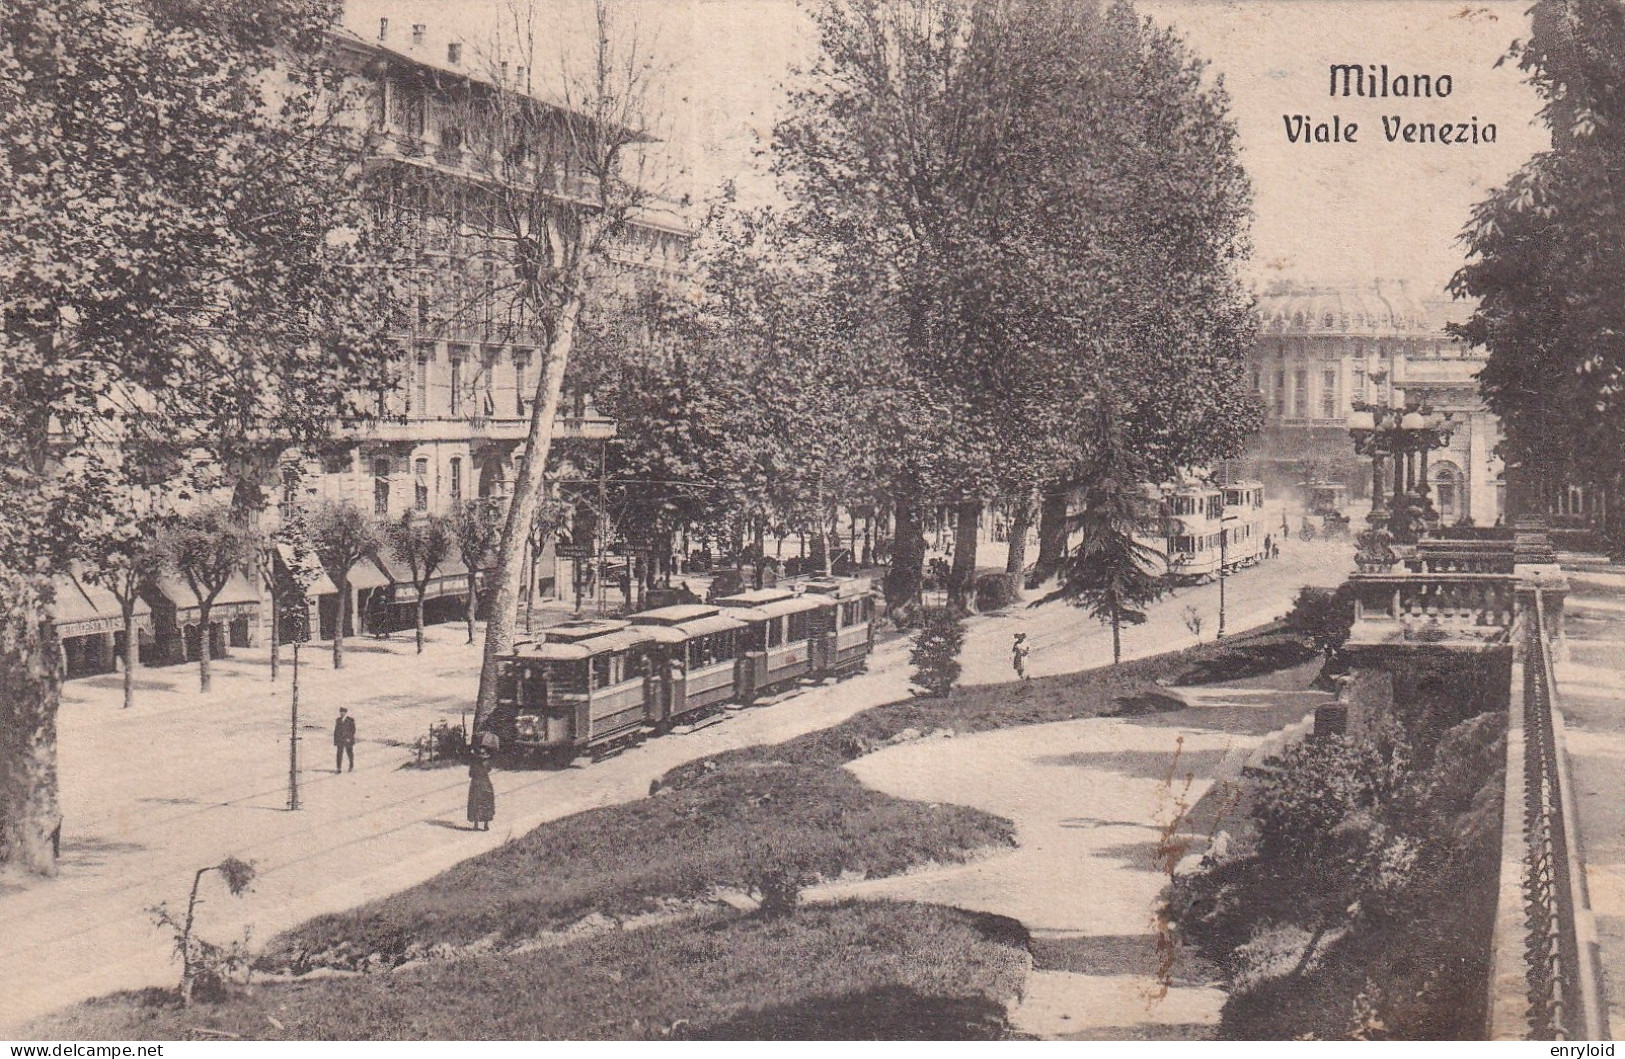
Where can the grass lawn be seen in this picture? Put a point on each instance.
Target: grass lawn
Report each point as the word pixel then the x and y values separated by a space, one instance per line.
pixel 723 821
pixel 859 970
pixel 736 821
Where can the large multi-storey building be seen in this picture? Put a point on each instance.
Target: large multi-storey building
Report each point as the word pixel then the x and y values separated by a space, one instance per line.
pixel 453 425
pixel 1322 351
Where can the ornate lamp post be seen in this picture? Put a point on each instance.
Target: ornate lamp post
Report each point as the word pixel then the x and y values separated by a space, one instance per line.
pixel 1404 434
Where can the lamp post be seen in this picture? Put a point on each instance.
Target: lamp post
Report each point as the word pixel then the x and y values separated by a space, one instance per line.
pixel 1406 433
pixel 1224 563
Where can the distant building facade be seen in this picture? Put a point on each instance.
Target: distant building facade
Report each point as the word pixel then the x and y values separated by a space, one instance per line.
pixel 1322 351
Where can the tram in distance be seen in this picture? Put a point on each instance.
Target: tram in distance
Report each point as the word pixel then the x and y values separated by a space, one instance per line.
pixel 1197 529
pixel 592 684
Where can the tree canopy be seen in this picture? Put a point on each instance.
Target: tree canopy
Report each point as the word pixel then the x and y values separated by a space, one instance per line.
pixel 1544 252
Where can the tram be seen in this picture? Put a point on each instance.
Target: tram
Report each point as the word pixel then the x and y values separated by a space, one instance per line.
pixel 591 684
pixel 1197 530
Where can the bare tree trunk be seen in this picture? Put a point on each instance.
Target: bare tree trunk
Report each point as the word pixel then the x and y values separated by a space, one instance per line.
pixel 1117 638
pixel 1051 533
pixel 418 616
pixel 204 642
pixel 1015 562
pixel 962 576
pixel 527 493
pixel 30 693
pixel 338 626
pixel 907 567
pixel 127 608
pixel 473 605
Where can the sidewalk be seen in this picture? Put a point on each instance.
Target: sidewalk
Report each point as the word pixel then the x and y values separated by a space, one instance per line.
pixel 1591 690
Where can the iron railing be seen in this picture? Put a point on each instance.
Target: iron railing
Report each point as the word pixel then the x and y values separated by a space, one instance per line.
pixel 1559 945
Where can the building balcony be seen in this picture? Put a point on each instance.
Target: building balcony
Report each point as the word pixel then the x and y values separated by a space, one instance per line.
pixel 478 428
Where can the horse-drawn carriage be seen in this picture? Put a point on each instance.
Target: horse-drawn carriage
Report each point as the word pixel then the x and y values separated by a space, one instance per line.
pixel 1326 500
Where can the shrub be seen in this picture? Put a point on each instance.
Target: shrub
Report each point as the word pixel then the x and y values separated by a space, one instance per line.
pixel 935 656
pixel 1325 616
pixel 995 591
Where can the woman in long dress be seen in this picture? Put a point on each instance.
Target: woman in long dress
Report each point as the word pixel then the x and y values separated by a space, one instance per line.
pixel 482 796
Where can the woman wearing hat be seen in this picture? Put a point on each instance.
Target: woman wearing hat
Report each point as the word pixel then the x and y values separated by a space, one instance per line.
pixel 482 796
pixel 1018 655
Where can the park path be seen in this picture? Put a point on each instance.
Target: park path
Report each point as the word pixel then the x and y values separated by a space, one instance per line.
pixel 1105 809
pixel 183 780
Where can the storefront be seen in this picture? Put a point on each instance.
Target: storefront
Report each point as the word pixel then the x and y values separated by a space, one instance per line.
pixel 445 595
pixel 369 587
pixel 299 586
pixel 179 633
pixel 90 626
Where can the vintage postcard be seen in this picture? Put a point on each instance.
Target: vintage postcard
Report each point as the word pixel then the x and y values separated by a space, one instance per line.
pixel 966 520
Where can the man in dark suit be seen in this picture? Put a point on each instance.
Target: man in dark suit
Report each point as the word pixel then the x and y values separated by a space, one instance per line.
pixel 343 740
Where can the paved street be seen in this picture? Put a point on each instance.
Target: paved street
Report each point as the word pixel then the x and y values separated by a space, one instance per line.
pixel 182 780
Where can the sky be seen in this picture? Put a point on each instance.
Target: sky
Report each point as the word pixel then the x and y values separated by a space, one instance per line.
pixel 1332 213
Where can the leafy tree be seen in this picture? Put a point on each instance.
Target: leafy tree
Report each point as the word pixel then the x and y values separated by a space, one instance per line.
pixel 477 527
pixel 183 261
pixel 343 535
pixel 422 542
pixel 204 548
pixel 935 654
pixel 1111 574
pixel 1543 264
pixel 1015 196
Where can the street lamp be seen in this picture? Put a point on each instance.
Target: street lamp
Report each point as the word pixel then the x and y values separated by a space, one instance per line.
pixel 1406 433
pixel 1224 563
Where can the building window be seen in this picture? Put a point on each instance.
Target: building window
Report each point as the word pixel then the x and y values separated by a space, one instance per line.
pixel 492 356
pixel 1280 393
pixel 420 485
pixel 420 384
pixel 1358 385
pixel 456 383
pixel 380 487
pixel 456 479
pixel 1300 394
pixel 521 368
pixel 1328 394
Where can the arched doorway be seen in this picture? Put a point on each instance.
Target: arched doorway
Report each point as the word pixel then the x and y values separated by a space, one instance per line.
pixel 1448 492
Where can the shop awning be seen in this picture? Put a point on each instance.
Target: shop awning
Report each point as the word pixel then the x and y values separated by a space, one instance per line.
pixel 450 577
pixel 83 608
pixel 365 574
pixel 291 571
pixel 238 599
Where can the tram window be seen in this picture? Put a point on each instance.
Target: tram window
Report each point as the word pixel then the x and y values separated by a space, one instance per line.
pixel 851 613
pixel 1185 544
pixel 775 632
pixel 602 670
pixel 800 626
pixel 635 663
pixel 570 676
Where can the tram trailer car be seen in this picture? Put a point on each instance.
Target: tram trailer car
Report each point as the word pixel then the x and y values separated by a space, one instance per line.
pixel 698 648
pixel 847 629
pixel 828 629
pixel 780 637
